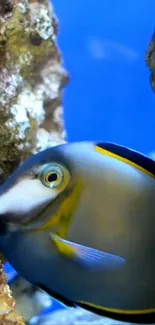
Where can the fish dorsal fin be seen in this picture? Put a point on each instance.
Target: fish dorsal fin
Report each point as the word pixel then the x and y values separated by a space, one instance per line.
pixel 127 155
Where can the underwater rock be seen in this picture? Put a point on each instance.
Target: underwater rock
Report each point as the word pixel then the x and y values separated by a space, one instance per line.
pixel 8 315
pixel 32 79
pixel 150 60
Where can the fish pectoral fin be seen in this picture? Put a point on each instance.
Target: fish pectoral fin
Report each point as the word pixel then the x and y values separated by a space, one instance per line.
pixel 63 246
pixel 86 256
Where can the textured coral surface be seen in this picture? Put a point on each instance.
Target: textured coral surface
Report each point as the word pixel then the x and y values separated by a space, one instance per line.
pixel 150 60
pixel 32 79
pixel 8 316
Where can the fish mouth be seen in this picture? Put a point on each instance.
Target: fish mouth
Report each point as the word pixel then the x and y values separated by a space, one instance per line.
pixel 37 219
pixel 46 216
pixel 36 222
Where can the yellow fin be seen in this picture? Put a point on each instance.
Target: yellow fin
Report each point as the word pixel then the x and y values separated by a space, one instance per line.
pixel 87 257
pixel 63 248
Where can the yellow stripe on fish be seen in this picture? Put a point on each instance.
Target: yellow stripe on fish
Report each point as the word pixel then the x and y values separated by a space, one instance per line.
pixel 127 156
pixel 63 217
pixel 116 311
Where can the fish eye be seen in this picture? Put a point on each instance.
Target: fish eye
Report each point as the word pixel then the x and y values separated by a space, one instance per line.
pixel 53 176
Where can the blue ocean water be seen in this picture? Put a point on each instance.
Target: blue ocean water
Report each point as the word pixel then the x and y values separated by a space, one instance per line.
pixel 109 97
pixel 104 45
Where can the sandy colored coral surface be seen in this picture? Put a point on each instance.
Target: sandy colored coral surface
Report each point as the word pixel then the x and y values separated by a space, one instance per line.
pixel 32 79
pixel 8 315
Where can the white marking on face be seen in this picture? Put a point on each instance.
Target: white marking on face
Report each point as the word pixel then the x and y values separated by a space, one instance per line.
pixel 25 196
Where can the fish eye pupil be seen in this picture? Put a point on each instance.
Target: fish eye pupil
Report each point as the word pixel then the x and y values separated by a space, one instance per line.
pixel 52 177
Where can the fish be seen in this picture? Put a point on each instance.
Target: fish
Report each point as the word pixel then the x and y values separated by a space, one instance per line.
pixel 78 221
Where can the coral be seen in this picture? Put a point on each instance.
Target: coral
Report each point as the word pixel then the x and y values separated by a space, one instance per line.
pixel 150 60
pixel 32 79
pixel 8 316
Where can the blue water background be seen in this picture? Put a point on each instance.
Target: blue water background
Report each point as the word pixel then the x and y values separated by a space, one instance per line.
pixel 104 45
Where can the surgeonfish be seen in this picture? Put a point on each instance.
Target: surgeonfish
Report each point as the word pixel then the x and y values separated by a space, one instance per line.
pixel 78 221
